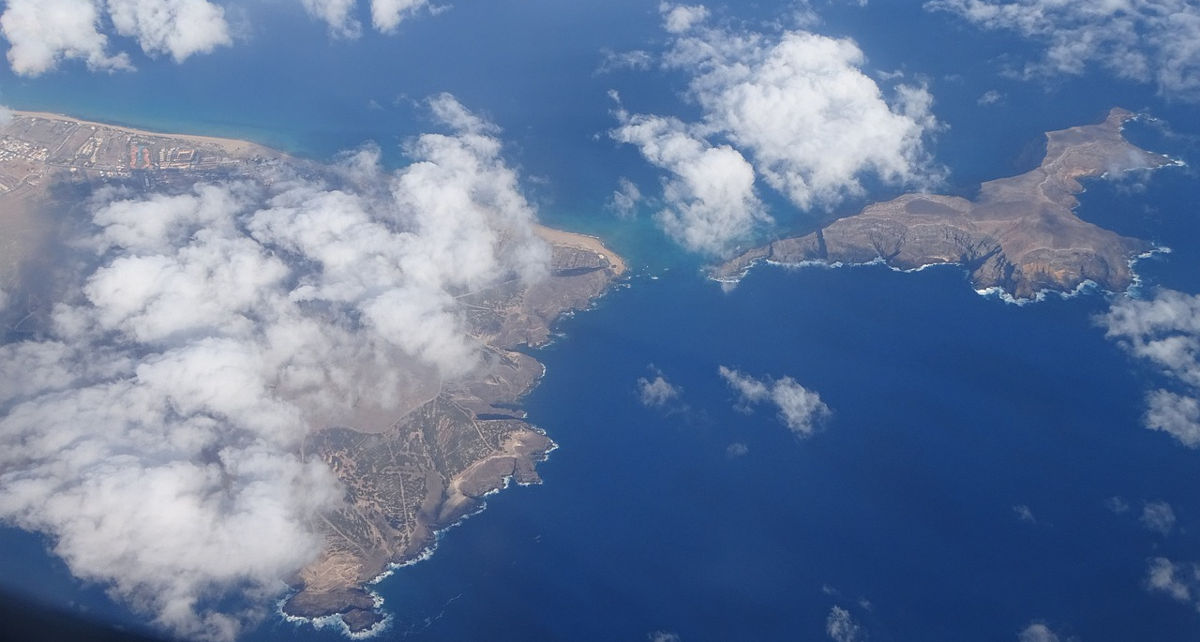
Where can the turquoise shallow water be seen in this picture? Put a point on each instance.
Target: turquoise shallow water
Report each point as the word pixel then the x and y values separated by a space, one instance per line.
pixel 949 408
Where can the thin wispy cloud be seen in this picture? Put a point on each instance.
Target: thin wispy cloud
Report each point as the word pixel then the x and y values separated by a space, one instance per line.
pixel 737 449
pixel 1179 581
pixel 990 97
pixel 1117 505
pixel 799 408
pixel 612 61
pixel 1158 517
pixel 1024 514
pixel 626 198
pixel 1037 632
pixel 841 627
pixel 1148 41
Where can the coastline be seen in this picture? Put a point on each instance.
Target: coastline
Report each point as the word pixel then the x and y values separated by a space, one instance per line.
pixel 990 228
pixel 518 454
pixel 994 292
pixel 587 242
pixel 423 553
pixel 236 145
pixel 241 146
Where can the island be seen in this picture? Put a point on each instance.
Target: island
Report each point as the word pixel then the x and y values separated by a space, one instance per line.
pixel 404 479
pixel 1020 236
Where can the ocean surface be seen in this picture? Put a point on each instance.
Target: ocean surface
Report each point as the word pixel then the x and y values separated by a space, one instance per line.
pixel 950 410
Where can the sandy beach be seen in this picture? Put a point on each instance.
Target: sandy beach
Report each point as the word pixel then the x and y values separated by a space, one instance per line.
pixel 583 241
pixel 233 146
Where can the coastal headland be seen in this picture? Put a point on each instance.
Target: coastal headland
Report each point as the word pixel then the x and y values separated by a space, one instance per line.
pixel 1020 235
pixel 435 465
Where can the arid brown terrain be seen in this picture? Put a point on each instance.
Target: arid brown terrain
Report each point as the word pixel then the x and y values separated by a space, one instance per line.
pixel 1020 234
pixel 435 464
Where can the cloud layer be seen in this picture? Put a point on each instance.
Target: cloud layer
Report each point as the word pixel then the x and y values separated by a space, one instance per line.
pixel 800 409
pixel 793 108
pixel 1166 332
pixel 44 33
pixel 154 431
pixel 1152 41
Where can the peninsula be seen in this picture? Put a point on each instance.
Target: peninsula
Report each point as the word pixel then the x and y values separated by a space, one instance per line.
pixel 405 479
pixel 1020 235
pixel 434 465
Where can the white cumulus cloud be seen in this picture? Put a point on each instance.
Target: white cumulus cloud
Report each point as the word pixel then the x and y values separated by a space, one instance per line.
pixel 41 33
pixel 800 409
pixel 1175 414
pixel 657 392
pixel 180 28
pixel 153 432
pixel 800 105
pixel 613 61
pixel 1178 580
pixel 709 191
pixel 678 18
pixel 386 15
pixel 1165 331
pixel 1153 41
pixel 44 33
pixel 338 14
pixel 793 108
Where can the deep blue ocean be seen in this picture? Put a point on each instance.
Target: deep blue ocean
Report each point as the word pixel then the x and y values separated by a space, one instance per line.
pixel 950 409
